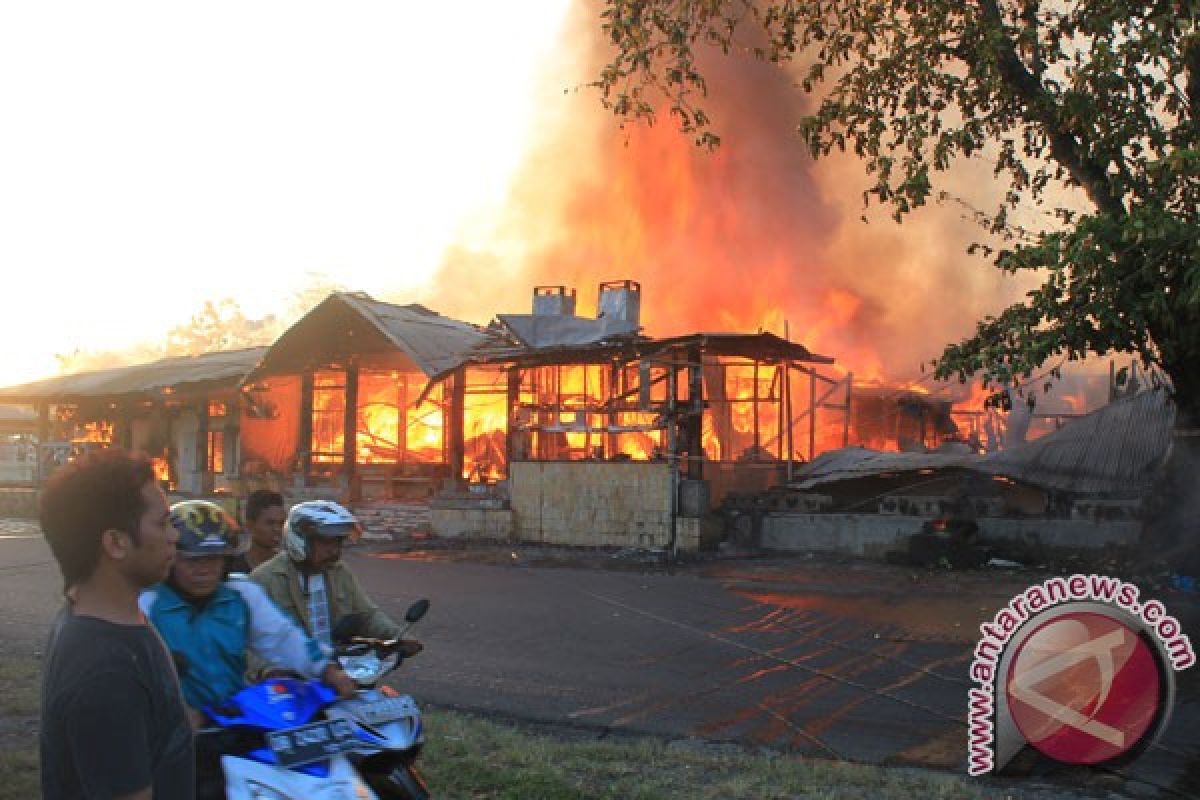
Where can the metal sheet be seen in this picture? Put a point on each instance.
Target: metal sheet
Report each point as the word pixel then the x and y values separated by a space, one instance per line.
pixel 1117 450
pixel 177 372
pixel 544 330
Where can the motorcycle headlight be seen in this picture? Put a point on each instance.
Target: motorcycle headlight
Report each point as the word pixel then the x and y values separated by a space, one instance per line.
pixel 363 669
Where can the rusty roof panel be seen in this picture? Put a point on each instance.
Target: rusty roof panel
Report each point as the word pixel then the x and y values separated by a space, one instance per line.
pixel 435 343
pixel 176 372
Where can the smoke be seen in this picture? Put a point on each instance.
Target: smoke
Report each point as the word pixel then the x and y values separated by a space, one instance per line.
pixel 752 236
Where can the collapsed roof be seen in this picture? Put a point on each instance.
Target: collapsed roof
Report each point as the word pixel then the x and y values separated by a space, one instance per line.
pixel 1118 450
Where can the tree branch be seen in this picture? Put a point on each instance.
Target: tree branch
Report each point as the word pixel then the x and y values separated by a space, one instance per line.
pixel 1191 58
pixel 1064 147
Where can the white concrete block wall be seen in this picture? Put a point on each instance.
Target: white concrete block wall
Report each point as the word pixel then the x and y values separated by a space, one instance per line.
pixel 623 504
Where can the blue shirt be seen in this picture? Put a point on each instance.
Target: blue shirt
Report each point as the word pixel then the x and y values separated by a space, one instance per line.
pixel 213 638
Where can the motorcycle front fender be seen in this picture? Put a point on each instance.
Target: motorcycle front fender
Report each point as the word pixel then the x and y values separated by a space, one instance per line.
pixel 243 777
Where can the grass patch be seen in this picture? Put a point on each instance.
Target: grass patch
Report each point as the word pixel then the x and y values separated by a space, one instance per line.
pixel 20 675
pixel 470 757
pixel 20 771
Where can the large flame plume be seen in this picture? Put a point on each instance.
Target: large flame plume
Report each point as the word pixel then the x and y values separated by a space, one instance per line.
pixel 753 236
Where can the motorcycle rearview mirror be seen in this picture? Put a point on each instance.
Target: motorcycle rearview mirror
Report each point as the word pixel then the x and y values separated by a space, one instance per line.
pixel 416 611
pixel 347 627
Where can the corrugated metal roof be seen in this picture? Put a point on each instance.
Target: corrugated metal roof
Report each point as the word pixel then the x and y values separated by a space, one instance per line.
pixel 1120 447
pixel 554 330
pixel 1118 450
pixel 179 371
pixel 633 346
pixel 759 345
pixel 435 343
pixel 327 334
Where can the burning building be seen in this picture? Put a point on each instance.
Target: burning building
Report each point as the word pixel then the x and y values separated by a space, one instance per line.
pixel 371 402
pixel 184 412
pixel 345 401
pixel 1082 486
pixel 547 426
pixel 612 437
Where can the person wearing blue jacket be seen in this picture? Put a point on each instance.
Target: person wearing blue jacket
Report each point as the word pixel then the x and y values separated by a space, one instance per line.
pixel 210 621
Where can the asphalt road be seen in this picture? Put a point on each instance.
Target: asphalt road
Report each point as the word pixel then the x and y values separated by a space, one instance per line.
pixel 856 661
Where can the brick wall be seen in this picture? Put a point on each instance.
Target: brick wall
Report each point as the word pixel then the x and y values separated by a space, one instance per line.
pixel 392 520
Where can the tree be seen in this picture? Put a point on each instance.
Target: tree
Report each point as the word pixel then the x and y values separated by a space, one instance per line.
pixel 1085 108
pixel 219 325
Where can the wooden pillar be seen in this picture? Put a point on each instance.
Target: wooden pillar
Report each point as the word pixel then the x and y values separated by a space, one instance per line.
pixel 233 435
pixel 812 414
pixel 454 424
pixel 849 409
pixel 616 387
pixel 350 431
pixel 203 426
pixel 693 422
pixel 786 366
pixel 754 400
pixel 514 397
pixel 402 425
pixel 123 422
pixel 43 436
pixel 306 410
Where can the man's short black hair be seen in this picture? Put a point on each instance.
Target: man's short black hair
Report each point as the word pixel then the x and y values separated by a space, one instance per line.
pixel 259 501
pixel 101 491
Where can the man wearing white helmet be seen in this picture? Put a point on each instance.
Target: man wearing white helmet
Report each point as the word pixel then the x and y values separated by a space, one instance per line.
pixel 309 581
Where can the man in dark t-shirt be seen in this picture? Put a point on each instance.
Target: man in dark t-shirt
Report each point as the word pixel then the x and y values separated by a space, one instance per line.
pixel 113 716
pixel 114 724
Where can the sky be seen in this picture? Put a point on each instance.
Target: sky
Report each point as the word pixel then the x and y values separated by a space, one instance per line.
pixel 156 155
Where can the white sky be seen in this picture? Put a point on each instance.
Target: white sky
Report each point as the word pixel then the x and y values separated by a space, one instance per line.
pixel 156 154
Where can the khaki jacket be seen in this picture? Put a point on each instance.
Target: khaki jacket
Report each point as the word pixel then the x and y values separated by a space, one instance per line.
pixel 282 580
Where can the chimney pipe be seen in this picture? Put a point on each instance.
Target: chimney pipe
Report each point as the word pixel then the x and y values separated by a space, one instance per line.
pixel 621 300
pixel 553 301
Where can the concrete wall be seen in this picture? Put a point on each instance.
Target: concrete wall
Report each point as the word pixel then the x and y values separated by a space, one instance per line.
pixel 621 504
pixel 875 534
pixel 473 523
pixel 857 534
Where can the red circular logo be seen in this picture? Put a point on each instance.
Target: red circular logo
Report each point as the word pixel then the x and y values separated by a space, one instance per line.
pixel 1083 688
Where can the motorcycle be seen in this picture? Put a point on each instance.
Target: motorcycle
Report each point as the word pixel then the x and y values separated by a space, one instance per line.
pixel 286 738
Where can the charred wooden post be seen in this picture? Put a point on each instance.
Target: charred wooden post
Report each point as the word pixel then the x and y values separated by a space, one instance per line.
pixel 350 432
pixel 693 421
pixel 757 447
pixel 454 425
pixel 812 414
pixel 306 410
pixel 514 397
pixel 43 434
pixel 787 415
pixel 202 462
pixel 615 388
pixel 848 409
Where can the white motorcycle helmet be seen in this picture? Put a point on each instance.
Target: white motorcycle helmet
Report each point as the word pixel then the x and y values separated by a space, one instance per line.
pixel 323 518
